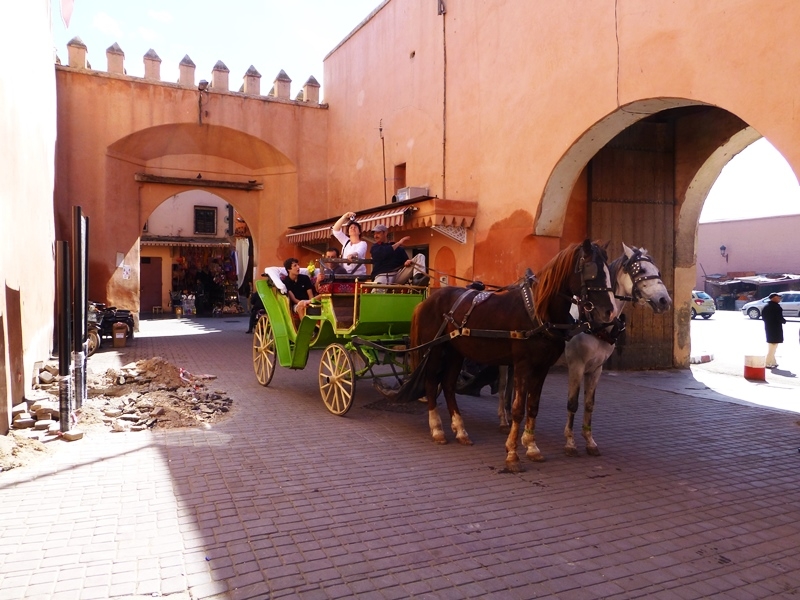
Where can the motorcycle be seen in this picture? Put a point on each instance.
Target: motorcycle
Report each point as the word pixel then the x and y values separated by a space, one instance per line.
pixel 105 318
pixel 94 318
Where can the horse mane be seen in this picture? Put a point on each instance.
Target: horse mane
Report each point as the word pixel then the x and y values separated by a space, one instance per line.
pixel 613 269
pixel 551 278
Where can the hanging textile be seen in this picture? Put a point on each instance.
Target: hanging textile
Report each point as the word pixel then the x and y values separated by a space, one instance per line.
pixel 242 252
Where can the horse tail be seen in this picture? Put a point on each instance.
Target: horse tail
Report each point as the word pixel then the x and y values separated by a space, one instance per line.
pixel 413 359
pixel 414 385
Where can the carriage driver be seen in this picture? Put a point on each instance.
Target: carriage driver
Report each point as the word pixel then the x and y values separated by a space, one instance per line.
pixel 298 287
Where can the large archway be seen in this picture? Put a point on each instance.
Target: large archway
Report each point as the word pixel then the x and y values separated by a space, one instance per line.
pixel 195 246
pixel 147 167
pixel 643 173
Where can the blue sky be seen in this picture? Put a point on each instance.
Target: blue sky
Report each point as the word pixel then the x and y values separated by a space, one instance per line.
pixel 295 35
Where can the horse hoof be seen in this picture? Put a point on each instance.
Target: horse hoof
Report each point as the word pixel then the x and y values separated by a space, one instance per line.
pixel 465 441
pixel 593 451
pixel 441 441
pixel 514 467
pixel 536 457
pixel 571 451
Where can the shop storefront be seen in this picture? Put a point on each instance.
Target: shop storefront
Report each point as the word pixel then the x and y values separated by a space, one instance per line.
pixel 201 276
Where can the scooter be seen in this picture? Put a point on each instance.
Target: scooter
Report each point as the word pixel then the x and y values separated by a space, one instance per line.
pixel 110 316
pixel 94 324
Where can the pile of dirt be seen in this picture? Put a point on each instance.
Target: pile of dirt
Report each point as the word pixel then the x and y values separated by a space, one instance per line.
pixel 148 394
pixel 151 394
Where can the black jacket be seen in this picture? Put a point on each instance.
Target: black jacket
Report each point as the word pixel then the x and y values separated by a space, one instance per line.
pixel 773 322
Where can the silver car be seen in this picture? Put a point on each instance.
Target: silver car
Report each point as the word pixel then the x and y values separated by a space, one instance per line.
pixel 702 304
pixel 790 303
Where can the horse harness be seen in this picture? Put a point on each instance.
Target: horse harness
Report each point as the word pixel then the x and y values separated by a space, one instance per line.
pixel 589 272
pixel 633 268
pixel 565 332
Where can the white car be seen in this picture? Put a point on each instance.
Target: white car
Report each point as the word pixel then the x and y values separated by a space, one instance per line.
pixel 702 304
pixel 790 303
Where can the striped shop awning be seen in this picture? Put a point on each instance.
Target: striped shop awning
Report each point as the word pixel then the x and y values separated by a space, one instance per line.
pixel 318 232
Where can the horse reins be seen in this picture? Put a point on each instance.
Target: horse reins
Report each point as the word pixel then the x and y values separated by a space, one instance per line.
pixel 633 268
pixel 589 272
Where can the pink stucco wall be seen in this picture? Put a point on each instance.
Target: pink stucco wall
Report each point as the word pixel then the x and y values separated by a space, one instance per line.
pixel 485 102
pixel 28 132
pixel 112 126
pixel 763 245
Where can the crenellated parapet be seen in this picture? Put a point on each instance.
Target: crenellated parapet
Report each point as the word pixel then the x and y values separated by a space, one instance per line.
pixel 251 81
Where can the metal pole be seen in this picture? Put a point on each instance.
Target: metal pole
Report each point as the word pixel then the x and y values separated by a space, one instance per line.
pixel 79 304
pixel 63 295
pixel 383 150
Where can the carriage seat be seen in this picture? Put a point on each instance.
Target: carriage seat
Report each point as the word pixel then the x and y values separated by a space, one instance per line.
pixel 339 284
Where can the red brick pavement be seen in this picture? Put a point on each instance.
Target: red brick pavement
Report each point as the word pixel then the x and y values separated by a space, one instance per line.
pixel 693 497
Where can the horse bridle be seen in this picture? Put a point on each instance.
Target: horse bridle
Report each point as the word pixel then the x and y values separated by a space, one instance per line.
pixel 633 268
pixel 589 272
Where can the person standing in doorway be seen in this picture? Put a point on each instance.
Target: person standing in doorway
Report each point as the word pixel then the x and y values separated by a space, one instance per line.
pixel 773 325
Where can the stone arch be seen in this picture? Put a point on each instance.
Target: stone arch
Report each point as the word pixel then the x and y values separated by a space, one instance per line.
pixel 252 153
pixel 553 207
pixel 184 153
pixel 444 262
pixel 704 139
pixel 171 235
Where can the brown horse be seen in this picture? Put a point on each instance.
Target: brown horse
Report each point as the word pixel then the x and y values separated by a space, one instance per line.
pixel 526 326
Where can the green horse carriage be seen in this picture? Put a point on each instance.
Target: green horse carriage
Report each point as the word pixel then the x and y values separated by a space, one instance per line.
pixel 362 328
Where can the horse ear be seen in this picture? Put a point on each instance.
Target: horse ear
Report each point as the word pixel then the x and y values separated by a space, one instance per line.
pixel 587 246
pixel 628 252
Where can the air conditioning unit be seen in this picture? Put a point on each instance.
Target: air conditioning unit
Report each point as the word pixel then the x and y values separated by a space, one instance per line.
pixel 410 193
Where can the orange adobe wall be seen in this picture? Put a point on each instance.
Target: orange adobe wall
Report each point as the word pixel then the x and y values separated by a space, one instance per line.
pixel 112 127
pixel 506 102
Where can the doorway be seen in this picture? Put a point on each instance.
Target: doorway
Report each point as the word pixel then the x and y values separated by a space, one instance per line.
pixel 150 283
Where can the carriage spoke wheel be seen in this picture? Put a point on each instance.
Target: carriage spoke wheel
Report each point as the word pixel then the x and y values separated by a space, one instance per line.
pixel 264 351
pixel 337 379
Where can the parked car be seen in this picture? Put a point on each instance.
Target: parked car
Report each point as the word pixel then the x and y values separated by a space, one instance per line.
pixel 702 304
pixel 790 303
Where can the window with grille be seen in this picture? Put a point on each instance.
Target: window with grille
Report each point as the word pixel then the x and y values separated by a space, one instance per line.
pixel 205 219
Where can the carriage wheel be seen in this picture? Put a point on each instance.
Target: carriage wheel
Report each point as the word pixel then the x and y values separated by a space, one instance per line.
pixel 264 351
pixel 337 379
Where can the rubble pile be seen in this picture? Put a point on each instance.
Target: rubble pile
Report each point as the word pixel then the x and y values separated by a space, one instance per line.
pixel 148 394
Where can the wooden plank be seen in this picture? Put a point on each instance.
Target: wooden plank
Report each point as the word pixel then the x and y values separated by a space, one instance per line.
pixel 194 182
pixel 632 196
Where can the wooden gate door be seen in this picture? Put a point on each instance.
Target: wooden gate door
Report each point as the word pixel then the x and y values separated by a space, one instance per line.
pixel 631 200
pixel 149 283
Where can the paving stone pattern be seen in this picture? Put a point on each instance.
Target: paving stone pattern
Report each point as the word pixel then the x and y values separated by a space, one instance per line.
pixel 692 497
